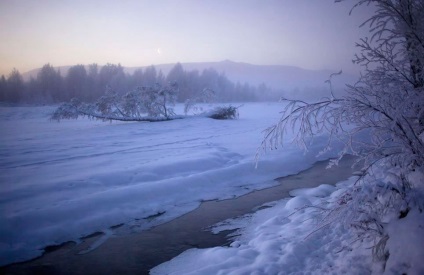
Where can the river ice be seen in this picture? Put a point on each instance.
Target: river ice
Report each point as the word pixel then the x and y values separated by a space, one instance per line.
pixel 62 181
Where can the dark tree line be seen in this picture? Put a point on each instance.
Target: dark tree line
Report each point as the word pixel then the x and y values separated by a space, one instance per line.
pixel 88 83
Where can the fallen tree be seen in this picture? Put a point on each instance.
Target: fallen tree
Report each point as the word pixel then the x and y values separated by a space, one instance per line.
pixel 148 104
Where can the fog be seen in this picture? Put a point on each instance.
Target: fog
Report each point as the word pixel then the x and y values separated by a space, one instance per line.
pixel 307 34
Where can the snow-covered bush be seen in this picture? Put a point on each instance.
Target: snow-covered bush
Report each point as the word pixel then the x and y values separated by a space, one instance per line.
pixel 380 120
pixel 208 96
pixel 229 112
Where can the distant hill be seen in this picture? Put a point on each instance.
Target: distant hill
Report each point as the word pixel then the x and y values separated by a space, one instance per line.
pixel 279 77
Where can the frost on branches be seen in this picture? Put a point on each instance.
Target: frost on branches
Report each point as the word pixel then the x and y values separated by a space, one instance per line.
pixel 142 104
pixel 152 103
pixel 381 120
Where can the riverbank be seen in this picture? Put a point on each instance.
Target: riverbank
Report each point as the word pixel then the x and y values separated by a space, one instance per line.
pixel 139 252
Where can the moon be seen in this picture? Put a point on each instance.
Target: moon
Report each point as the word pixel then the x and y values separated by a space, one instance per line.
pixel 159 51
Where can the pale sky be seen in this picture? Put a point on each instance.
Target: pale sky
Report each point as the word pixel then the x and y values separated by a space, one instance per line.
pixel 312 34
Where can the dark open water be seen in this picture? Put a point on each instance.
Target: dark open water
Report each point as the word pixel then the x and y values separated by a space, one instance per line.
pixel 139 252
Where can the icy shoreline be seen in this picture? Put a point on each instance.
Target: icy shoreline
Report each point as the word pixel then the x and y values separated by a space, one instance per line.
pixel 63 181
pixel 128 253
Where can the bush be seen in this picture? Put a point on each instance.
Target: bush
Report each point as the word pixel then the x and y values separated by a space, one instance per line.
pixel 229 112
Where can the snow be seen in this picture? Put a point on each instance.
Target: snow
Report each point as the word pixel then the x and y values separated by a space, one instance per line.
pixel 63 181
pixel 282 239
pixel 289 238
pixel 406 245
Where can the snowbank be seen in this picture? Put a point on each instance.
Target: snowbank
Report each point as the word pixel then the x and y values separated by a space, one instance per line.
pixel 289 238
pixel 406 245
pixel 282 239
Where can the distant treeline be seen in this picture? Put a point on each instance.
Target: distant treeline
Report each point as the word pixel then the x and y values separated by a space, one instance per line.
pixel 89 82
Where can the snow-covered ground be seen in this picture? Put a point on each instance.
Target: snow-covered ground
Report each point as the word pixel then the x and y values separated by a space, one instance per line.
pixel 289 238
pixel 62 181
pixel 278 240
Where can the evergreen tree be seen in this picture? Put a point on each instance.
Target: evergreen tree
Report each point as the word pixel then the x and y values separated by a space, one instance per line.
pixel 76 82
pixel 50 84
pixel 3 88
pixel 15 86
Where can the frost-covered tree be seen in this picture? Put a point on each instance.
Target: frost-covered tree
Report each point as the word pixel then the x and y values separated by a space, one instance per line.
pixel 192 104
pixel 142 104
pixel 151 103
pixel 380 120
pixel 158 101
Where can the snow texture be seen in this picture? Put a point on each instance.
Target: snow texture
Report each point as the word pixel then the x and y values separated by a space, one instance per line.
pixel 63 181
pixel 287 238
pixel 278 240
pixel 406 245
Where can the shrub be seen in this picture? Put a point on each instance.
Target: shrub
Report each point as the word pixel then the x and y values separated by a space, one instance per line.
pixel 229 112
